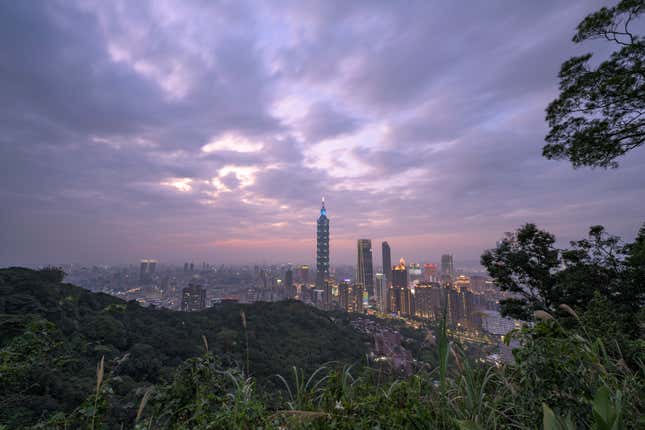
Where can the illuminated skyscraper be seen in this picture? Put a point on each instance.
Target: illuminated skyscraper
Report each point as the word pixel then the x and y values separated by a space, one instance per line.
pixel 364 271
pixel 429 272
pixel 401 300
pixel 387 263
pixel 322 247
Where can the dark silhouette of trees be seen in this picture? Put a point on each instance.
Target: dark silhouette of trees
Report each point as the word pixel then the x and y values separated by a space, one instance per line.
pixel 600 113
pixel 543 277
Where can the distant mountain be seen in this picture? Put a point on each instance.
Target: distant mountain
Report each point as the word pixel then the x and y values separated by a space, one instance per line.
pixel 52 335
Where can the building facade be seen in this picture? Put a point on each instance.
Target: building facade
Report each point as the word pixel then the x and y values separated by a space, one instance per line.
pixel 447 268
pixel 193 298
pixel 322 247
pixel 387 263
pixel 364 269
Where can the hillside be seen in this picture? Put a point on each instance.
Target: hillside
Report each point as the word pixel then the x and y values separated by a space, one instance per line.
pixel 53 335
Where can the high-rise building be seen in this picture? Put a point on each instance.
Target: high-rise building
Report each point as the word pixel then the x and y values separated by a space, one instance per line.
pixel 322 247
pixel 356 298
pixel 447 268
pixel 430 272
pixel 146 270
pixel 387 263
pixel 193 298
pixel 303 274
pixel 381 292
pixel 414 272
pixel 327 295
pixel 288 284
pixel 364 271
pixel 400 274
pixel 427 300
pixel 399 300
pixel 343 295
pixel 462 282
pixel 143 270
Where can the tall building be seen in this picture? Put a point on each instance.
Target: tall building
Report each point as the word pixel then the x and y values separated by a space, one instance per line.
pixel 462 282
pixel 146 270
pixel 447 268
pixel 288 284
pixel 430 272
pixel 143 270
pixel 387 263
pixel 381 292
pixel 193 298
pixel 364 271
pixel 322 247
pixel 343 295
pixel 400 274
pixel 303 274
pixel 399 297
pixel 427 300
pixel 356 298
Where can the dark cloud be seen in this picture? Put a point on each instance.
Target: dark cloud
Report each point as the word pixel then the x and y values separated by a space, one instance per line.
pixel 323 121
pixel 202 130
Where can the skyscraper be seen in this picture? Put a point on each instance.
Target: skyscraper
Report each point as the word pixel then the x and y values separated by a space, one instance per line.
pixel 387 263
pixel 288 284
pixel 399 300
pixel 322 247
pixel 303 274
pixel 364 272
pixel 147 270
pixel 193 298
pixel 447 268
pixel 381 292
pixel 143 270
pixel 429 272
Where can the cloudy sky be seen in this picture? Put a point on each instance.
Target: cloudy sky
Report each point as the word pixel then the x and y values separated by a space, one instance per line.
pixel 203 130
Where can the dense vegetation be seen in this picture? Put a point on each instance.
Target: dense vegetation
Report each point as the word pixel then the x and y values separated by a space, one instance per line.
pixel 52 335
pixel 599 114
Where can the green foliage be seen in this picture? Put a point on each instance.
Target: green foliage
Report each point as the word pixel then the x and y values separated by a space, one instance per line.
pixel 52 335
pixel 542 277
pixel 524 265
pixel 599 113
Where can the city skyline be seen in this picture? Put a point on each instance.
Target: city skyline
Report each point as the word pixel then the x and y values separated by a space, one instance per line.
pixel 143 130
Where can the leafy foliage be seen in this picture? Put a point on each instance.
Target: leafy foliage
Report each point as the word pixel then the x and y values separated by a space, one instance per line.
pixel 599 114
pixel 52 335
pixel 542 277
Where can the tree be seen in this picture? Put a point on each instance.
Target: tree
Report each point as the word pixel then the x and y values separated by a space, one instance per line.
pixel 600 113
pixel 543 277
pixel 524 263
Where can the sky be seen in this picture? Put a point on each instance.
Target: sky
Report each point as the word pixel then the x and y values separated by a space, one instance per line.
pixel 209 131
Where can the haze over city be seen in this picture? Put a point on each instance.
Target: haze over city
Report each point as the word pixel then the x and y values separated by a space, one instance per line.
pixel 209 132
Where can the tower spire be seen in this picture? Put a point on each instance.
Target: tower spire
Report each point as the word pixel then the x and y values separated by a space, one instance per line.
pixel 323 210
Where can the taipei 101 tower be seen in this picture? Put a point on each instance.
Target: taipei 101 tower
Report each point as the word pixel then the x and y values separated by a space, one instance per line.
pixel 322 247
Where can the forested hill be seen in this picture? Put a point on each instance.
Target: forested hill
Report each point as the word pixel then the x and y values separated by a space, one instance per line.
pixel 52 335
